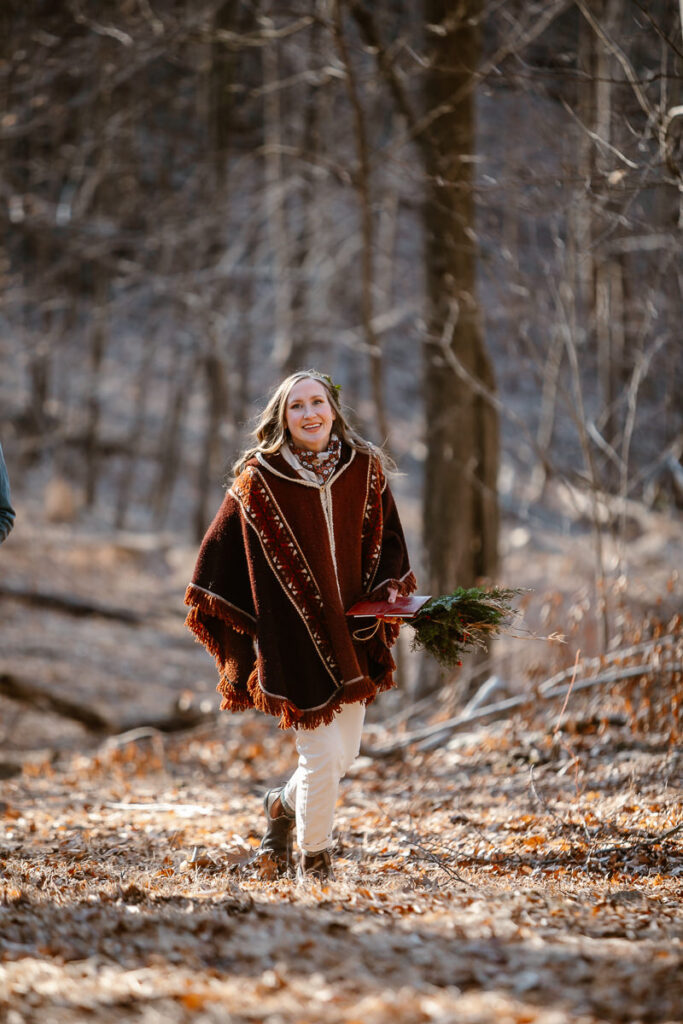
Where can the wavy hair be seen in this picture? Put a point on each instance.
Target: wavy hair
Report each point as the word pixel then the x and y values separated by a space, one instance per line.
pixel 271 430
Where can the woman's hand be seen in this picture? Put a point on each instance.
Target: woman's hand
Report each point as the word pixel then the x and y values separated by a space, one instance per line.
pixel 392 595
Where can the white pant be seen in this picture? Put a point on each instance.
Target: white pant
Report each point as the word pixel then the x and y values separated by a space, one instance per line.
pixel 325 755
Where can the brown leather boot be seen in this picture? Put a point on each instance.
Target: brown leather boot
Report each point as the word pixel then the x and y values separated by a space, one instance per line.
pixel 278 838
pixel 317 866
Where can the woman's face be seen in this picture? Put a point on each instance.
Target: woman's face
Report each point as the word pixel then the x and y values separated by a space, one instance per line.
pixel 309 415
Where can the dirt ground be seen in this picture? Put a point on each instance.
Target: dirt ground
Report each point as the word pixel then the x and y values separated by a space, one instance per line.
pixel 490 880
pixel 527 870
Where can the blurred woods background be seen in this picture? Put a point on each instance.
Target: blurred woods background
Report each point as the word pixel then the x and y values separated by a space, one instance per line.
pixel 469 214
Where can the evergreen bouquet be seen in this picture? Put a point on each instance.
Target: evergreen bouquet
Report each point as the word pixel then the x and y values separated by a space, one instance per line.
pixel 454 624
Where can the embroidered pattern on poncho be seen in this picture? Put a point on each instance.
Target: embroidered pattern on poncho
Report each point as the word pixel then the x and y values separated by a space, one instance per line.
pixel 286 559
pixel 372 524
pixel 323 464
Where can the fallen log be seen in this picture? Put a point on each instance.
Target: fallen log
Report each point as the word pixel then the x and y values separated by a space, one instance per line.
pixel 181 715
pixel 668 640
pixel 46 700
pixel 443 695
pixel 501 709
pixel 70 603
pixel 482 695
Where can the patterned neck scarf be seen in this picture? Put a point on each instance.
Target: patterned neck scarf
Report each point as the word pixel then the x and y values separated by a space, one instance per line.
pixel 323 464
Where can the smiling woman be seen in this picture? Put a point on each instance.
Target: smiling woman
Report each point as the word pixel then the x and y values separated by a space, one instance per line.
pixel 308 528
pixel 309 415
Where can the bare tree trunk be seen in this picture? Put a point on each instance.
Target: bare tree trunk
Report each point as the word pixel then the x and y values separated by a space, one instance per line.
pixel 582 211
pixel 241 365
pixel 460 498
pixel 170 441
pixel 460 521
pixel 597 219
pixel 362 181
pixel 276 209
pixel 209 456
pixel 39 374
pixel 304 243
pixel 609 311
pixel 98 340
pixel 218 97
pixel 140 394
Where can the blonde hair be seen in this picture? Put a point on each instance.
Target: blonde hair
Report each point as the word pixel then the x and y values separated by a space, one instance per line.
pixel 271 429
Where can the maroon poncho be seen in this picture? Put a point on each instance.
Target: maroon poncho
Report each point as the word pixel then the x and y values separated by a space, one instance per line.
pixel 281 562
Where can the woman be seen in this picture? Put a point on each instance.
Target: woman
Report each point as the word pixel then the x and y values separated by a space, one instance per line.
pixel 308 528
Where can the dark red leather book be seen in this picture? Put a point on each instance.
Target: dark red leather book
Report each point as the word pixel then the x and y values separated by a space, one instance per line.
pixel 401 608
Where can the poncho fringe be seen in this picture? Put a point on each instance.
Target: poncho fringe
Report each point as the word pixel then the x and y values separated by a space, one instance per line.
pixel 292 717
pixel 236 698
pixel 215 606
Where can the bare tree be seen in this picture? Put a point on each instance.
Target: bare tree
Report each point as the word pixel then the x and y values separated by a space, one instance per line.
pixel 460 487
pixel 362 182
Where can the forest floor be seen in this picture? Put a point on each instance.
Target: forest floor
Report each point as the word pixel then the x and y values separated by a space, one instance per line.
pixel 527 870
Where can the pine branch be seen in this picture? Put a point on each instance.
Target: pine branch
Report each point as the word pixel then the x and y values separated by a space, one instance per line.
pixel 452 625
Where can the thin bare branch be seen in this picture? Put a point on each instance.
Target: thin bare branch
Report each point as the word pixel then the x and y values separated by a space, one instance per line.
pixel 621 57
pixel 597 138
